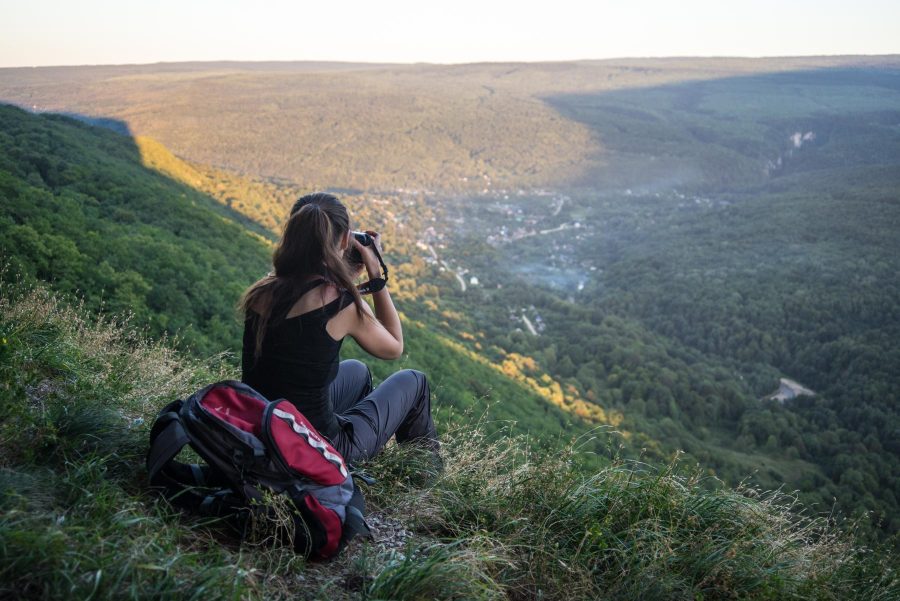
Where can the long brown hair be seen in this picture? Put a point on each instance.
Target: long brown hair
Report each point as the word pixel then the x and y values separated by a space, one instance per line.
pixel 309 246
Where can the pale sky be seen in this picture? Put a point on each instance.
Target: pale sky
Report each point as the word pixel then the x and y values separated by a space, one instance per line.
pixel 36 32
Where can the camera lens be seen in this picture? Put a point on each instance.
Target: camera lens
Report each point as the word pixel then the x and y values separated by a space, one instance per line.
pixel 353 255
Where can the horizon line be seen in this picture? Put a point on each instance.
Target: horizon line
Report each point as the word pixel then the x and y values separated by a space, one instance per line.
pixel 466 63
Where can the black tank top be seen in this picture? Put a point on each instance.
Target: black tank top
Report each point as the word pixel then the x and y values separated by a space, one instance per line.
pixel 298 361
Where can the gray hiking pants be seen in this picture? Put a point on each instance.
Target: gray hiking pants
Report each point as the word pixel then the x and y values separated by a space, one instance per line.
pixel 400 405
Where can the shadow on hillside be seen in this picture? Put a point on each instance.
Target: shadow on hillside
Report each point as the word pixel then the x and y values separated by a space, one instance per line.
pixel 132 152
pixel 120 127
pixel 734 131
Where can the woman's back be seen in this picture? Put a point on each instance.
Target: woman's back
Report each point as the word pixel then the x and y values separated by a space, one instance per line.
pixel 298 358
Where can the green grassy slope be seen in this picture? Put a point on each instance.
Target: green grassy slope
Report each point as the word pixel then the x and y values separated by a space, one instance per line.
pixel 503 522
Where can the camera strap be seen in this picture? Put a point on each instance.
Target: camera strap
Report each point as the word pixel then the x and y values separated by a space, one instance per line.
pixel 375 284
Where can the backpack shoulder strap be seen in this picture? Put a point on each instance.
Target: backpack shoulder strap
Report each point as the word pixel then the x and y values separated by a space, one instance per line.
pixel 176 479
pixel 355 522
pixel 167 438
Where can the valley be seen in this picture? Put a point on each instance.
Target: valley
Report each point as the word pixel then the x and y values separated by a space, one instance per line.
pixel 649 246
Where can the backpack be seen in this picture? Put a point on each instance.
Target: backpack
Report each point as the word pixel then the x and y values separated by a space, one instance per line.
pixel 253 447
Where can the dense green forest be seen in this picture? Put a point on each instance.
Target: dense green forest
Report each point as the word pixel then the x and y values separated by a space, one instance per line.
pixel 81 212
pixel 682 307
pixel 686 346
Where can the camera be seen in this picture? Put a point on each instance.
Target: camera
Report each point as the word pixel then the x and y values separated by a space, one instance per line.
pixel 353 255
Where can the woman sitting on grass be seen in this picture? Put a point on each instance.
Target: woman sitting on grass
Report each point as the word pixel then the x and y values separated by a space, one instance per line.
pixel 296 318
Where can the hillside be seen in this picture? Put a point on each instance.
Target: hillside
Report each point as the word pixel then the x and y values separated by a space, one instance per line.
pixel 79 394
pixel 727 223
pixel 81 211
pixel 502 522
pixel 382 127
pixel 92 213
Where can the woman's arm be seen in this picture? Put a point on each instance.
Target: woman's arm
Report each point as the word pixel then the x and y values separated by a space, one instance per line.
pixel 380 334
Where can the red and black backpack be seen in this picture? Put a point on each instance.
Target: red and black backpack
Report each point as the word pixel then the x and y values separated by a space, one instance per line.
pixel 251 446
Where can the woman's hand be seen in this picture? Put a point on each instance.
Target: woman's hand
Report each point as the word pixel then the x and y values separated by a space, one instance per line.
pixel 383 335
pixel 370 260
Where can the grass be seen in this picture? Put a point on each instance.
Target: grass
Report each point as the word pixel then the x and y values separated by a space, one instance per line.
pixel 503 521
pixel 633 531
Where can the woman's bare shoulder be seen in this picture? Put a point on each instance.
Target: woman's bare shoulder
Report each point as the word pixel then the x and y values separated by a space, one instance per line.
pixel 346 318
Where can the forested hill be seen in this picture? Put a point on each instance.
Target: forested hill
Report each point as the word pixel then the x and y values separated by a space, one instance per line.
pixel 92 213
pixel 380 127
pixel 792 274
pixel 129 226
pixel 81 212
